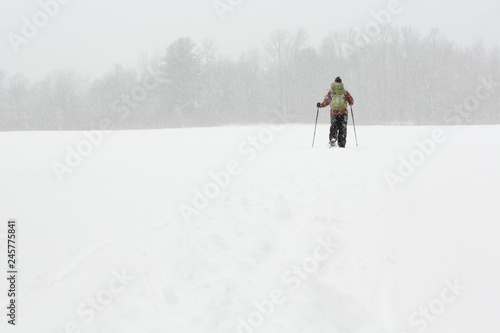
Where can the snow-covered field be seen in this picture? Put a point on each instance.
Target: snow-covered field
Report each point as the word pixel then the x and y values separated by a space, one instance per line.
pixel 247 229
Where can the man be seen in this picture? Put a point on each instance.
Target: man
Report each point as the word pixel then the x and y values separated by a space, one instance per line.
pixel 337 98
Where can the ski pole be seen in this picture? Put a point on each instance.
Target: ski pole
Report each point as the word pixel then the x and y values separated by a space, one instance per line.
pixel 314 136
pixel 353 124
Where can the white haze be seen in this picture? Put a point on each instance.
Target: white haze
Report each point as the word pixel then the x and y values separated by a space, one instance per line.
pixel 92 35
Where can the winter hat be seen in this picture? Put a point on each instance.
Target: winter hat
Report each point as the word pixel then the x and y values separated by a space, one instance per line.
pixel 338 79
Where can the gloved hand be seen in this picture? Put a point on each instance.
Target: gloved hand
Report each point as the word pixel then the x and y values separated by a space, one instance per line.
pixel 318 105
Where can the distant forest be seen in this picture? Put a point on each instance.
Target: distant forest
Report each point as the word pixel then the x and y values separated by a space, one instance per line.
pixel 397 77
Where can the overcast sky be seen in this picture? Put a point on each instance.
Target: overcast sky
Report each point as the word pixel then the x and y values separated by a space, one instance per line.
pixel 92 35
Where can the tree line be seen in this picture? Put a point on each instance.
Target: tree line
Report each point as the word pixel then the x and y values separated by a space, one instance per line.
pixel 398 76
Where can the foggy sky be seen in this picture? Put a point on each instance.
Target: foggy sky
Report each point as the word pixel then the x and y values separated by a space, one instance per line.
pixel 92 35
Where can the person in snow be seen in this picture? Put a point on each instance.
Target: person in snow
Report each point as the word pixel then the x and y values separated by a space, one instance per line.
pixel 337 98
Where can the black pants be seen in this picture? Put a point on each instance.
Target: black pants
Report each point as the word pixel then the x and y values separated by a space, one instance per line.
pixel 338 130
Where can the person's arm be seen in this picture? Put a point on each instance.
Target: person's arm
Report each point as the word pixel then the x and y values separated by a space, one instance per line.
pixel 326 101
pixel 349 98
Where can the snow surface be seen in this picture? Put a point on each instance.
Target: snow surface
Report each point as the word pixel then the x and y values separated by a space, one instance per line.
pixel 395 251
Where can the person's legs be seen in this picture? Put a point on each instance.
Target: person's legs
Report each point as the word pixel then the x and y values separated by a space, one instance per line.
pixel 341 122
pixel 333 128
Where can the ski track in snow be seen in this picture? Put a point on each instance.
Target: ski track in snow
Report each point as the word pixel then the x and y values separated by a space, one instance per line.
pixel 393 249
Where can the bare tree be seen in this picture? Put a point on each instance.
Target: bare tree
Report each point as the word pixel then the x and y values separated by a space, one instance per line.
pixel 18 98
pixel 283 50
